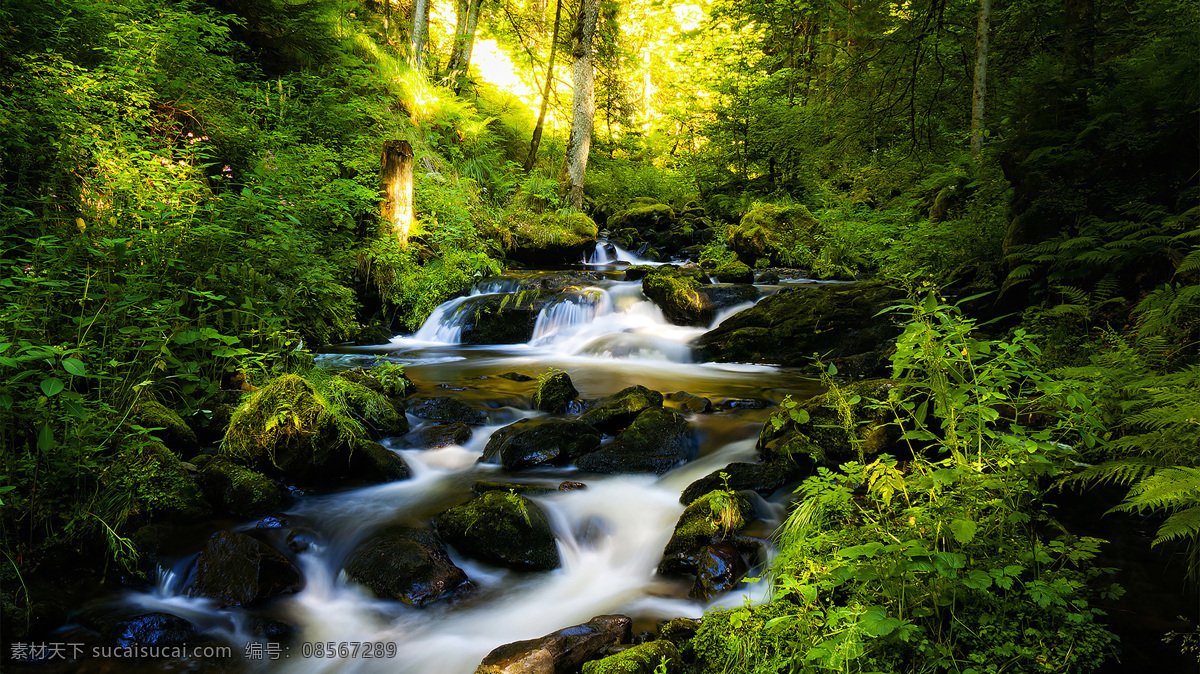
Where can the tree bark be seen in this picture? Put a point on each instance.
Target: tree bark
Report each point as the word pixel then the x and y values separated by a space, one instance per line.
pixel 420 32
pixel 537 130
pixel 583 102
pixel 980 88
pixel 396 176
pixel 460 61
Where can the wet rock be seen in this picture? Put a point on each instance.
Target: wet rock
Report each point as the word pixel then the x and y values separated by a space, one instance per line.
pixel 772 231
pixel 373 334
pixel 656 441
pixel 743 404
pixel 526 444
pixel 571 486
pixel 684 300
pixel 440 435
pixel 709 519
pixel 641 659
pixel 822 439
pixel 379 415
pixel 558 652
pixel 637 272
pixel 161 486
pixel 481 486
pixel 406 564
pixel 501 319
pixel 515 376
pixel 734 272
pixel 645 219
pixel 837 321
pixel 693 404
pixel 504 529
pixel 768 278
pixel 678 630
pixel 303 538
pixel 167 426
pixel 239 491
pixel 372 462
pixel 719 569
pixel 236 569
pixel 147 629
pixel 273 630
pixel 763 478
pixel 552 239
pixel 620 409
pixel 451 410
pixel 554 392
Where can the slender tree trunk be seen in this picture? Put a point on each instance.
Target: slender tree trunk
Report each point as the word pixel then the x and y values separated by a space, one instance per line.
pixel 420 32
pixel 396 176
pixel 464 44
pixel 461 9
pixel 537 130
pixel 980 88
pixel 583 102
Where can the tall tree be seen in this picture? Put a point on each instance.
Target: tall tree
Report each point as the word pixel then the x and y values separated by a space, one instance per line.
pixel 980 87
pixel 583 102
pixel 537 130
pixel 420 32
pixel 464 43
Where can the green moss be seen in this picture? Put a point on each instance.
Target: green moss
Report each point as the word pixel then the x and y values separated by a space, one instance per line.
pixel 785 235
pixel 173 432
pixel 554 392
pixel 734 272
pixel 552 228
pixel 824 438
pixel 675 293
pixel 710 518
pixel 375 410
pixel 650 217
pixel 641 659
pixel 239 490
pixel 501 528
pixel 147 481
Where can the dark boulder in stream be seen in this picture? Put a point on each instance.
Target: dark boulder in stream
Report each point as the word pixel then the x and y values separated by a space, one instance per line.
pixel 498 319
pixel 763 478
pixel 450 410
pixel 527 443
pixel 440 435
pixel 554 392
pixel 656 441
pixel 684 301
pixel 839 322
pixel 146 629
pixel 406 564
pixel 620 409
pixel 372 462
pixel 559 652
pixel 706 543
pixel 237 569
pixel 505 529
pixel 239 491
pixel 688 402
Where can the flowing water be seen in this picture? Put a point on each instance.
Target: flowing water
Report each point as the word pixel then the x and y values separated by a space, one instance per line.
pixel 611 535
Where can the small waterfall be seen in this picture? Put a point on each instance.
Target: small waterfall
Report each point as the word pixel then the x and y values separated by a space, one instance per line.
pixel 608 253
pixel 570 311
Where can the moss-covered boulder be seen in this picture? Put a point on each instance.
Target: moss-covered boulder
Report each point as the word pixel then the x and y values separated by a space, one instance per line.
pixel 483 486
pixel 153 483
pixel 734 272
pixel 502 529
pixel 774 232
pixel 528 443
pixel 440 435
pixel 501 319
pixel 714 517
pixel 381 416
pixel 719 569
pixel 822 438
pixel 839 322
pixel 372 462
pixel 644 218
pixel 617 411
pixel 763 478
pixel 406 564
pixel 684 300
pixel 239 491
pixel 559 652
pixel 167 426
pixel 449 410
pixel 554 393
pixel 287 427
pixel 688 402
pixel 641 659
pixel 237 569
pixel 385 377
pixel 549 237
pixel 657 441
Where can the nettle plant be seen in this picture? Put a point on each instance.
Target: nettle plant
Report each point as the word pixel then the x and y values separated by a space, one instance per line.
pixel 948 560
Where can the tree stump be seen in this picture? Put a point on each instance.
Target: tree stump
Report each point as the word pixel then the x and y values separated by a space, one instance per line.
pixel 396 175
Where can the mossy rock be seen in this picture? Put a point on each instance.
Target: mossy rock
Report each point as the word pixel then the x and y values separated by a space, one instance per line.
pixel 287 427
pixel 502 529
pixel 406 564
pixel 773 231
pixel 709 519
pixel 546 238
pixel 237 569
pixel 620 409
pixel 386 378
pixel 644 218
pixel 734 272
pixel 638 272
pixel 684 301
pixel 822 439
pixel 641 202
pixel 763 478
pixel 239 491
pixel 449 410
pixel 840 322
pixel 768 278
pixel 559 652
pixel 641 659
pixel 502 319
pixel 372 462
pixel 484 486
pixel 554 393
pixel 657 441
pixel 380 415
pixel 526 443
pixel 154 483
pixel 169 427
pixel 440 435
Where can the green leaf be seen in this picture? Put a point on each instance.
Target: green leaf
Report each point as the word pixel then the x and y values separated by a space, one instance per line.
pixel 76 410
pixel 45 438
pixel 963 530
pixel 74 366
pixel 52 386
pixel 832 370
pixel 799 416
pixel 6 402
pixel 876 623
pixel 978 580
pixel 864 550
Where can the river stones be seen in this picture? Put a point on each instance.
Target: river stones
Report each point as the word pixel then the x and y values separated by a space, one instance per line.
pixel 505 529
pixel 687 402
pixel 641 659
pixel 237 569
pixel 146 629
pixel 554 392
pixel 763 478
pixel 499 319
pixel 822 439
pixel 839 322
pixel 239 491
pixel 559 652
pixel 684 299
pixel 381 416
pixel 483 486
pixel 167 426
pixel 719 569
pixel 734 272
pixel 440 435
pixel 620 409
pixel 450 410
pixel 526 444
pixel 406 564
pixel 372 462
pixel 710 519
pixel 656 441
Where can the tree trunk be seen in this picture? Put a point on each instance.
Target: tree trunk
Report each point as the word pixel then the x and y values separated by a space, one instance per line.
pixel 980 88
pixel 461 9
pixel 464 63
pixel 537 130
pixel 396 176
pixel 583 102
pixel 420 32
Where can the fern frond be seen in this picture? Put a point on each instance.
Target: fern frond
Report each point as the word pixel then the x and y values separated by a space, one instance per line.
pixel 1118 472
pixel 1165 489
pixel 1183 524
